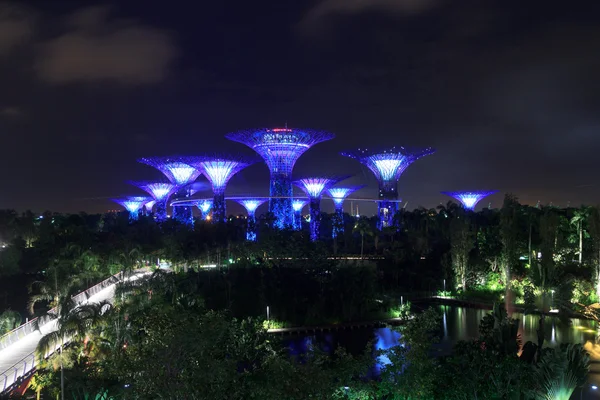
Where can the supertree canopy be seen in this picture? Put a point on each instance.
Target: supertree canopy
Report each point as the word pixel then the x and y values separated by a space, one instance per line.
pixel 388 166
pixel 148 206
pixel 180 171
pixel 160 191
pixel 338 195
pixel 204 206
pixel 298 205
pixel 314 188
pixel 470 199
pixel 251 204
pixel 133 204
pixel 280 148
pixel 219 170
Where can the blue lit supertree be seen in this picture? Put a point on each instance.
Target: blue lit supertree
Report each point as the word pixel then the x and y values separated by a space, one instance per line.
pixel 133 204
pixel 297 206
pixel 388 166
pixel 251 204
pixel 181 172
pixel 470 199
pixel 280 148
pixel 204 206
pixel 160 191
pixel 314 188
pixel 338 195
pixel 219 170
pixel 148 207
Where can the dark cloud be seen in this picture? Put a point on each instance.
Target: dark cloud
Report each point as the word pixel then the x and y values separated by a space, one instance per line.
pixel 97 48
pixel 17 25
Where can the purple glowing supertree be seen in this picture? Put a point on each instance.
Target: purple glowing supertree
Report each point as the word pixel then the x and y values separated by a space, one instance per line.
pixel 148 207
pixel 470 199
pixel 181 172
pixel 338 195
pixel 280 148
pixel 160 191
pixel 298 205
pixel 314 188
pixel 388 166
pixel 204 206
pixel 133 204
pixel 219 170
pixel 251 204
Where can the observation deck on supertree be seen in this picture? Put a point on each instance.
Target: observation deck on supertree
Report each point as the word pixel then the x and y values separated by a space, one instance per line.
pixel 297 206
pixel 338 195
pixel 280 148
pixel 470 199
pixel 160 191
pixel 181 172
pixel 314 188
pixel 219 170
pixel 388 166
pixel 133 204
pixel 251 204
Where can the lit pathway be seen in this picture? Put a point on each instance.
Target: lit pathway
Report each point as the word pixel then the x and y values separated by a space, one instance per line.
pixel 18 359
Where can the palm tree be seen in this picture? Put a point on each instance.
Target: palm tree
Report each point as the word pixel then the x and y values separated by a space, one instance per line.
pixel 363 227
pixel 579 217
pixel 73 322
pixel 561 371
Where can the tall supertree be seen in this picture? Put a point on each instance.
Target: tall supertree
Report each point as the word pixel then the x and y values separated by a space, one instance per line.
pixel 219 170
pixel 298 205
pixel 280 148
pixel 160 191
pixel 204 206
pixel 251 204
pixel 388 166
pixel 470 199
pixel 181 172
pixel 338 195
pixel 314 188
pixel 133 204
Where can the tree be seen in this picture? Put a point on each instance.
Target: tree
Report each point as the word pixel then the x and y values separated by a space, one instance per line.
pixel 9 320
pixel 580 216
pixel 509 235
pixel 462 241
pixel 594 226
pixel 363 227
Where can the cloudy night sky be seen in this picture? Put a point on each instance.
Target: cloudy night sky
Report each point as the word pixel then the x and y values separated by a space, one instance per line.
pixel 508 92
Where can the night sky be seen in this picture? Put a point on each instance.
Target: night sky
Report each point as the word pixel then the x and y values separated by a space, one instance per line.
pixel 508 92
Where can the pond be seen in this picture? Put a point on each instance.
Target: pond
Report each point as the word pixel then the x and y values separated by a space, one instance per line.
pixel 462 323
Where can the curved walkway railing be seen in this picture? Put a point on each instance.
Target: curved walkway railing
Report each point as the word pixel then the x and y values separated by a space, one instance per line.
pixel 22 368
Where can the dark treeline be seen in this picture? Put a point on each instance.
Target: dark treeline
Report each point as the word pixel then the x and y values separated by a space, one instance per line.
pixel 528 249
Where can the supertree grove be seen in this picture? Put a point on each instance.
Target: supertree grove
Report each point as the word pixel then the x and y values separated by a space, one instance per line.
pixel 314 188
pixel 280 148
pixel 181 172
pixel 251 204
pixel 470 199
pixel 133 204
pixel 297 206
pixel 160 191
pixel 219 170
pixel 338 195
pixel 388 166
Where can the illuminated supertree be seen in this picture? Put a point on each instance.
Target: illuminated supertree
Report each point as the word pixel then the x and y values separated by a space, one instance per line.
pixel 388 166
pixel 251 204
pixel 314 188
pixel 338 195
pixel 148 207
pixel 205 206
pixel 160 191
pixel 470 199
pixel 219 170
pixel 133 204
pixel 280 148
pixel 298 205
pixel 181 172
